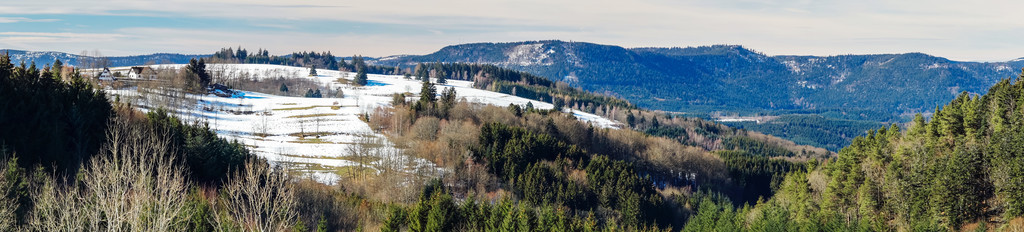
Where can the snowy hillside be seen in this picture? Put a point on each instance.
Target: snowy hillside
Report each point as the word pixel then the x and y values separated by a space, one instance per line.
pixel 318 135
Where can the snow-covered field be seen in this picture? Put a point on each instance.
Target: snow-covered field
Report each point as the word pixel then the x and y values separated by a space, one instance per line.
pixel 284 129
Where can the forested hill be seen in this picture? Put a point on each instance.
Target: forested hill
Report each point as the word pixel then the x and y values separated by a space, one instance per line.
pixel 962 170
pixel 736 79
pixel 97 60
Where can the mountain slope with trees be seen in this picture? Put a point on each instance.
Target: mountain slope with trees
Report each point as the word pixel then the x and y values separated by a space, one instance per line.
pixel 961 169
pixel 96 59
pixel 848 90
pixel 732 78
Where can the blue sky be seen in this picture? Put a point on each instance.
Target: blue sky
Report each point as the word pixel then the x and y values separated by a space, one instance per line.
pixel 959 30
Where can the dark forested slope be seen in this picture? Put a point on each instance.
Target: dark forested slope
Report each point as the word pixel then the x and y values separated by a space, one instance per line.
pixel 736 79
pixel 963 168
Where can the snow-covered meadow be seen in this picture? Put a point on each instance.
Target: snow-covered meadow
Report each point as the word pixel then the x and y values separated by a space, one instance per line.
pixel 320 135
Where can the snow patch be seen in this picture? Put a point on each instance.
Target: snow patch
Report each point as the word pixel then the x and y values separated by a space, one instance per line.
pixel 271 125
pixel 934 66
pixel 793 66
pixel 529 54
pixel 836 79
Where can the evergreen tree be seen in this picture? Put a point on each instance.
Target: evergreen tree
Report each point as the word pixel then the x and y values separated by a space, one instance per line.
pixel 312 71
pixel 395 220
pixel 448 97
pixel 198 70
pixel 428 93
pixel 442 76
pixel 50 123
pixel 55 71
pixel 361 79
pixel 284 88
pixel 441 216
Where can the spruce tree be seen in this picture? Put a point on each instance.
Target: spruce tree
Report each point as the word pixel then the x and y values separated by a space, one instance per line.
pixel 427 93
pixel 312 71
pixel 360 79
pixel 448 97
pixel 55 71
pixel 198 68
pixel 442 77
pixel 394 221
pixel 284 88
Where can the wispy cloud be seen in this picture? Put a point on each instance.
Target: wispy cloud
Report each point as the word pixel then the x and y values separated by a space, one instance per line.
pixel 59 36
pixel 59 41
pixel 982 30
pixel 24 20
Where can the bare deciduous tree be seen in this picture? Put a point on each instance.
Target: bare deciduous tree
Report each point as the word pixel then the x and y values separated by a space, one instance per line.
pixel 58 209
pixel 257 198
pixel 132 185
pixel 7 205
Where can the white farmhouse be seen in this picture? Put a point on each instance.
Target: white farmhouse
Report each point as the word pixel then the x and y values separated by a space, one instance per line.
pixel 141 73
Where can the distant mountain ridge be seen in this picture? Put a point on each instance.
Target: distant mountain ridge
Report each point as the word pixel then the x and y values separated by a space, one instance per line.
pixel 732 78
pixel 43 58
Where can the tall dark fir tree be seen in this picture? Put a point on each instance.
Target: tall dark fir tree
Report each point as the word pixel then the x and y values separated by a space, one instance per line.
pixel 198 69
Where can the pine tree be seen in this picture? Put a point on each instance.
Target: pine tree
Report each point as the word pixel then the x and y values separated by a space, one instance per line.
pixel 361 78
pixel 442 76
pixel 55 71
pixel 284 88
pixel 428 92
pixel 441 214
pixel 448 97
pixel 198 69
pixel 312 71
pixel 394 221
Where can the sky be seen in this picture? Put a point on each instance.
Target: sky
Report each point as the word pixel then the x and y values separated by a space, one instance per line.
pixel 959 30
